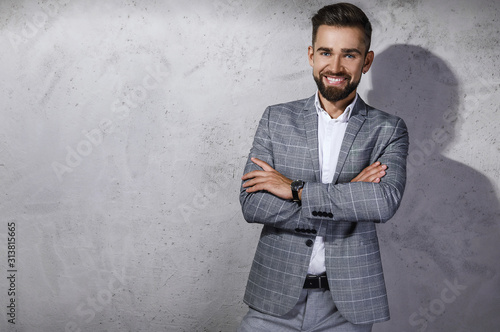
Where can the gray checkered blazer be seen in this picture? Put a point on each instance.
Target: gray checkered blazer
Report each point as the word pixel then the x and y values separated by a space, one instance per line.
pixel 344 213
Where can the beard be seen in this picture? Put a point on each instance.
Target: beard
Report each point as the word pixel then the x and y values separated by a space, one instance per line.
pixel 334 94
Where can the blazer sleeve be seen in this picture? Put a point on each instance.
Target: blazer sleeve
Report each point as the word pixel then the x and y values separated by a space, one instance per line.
pixel 363 201
pixel 264 207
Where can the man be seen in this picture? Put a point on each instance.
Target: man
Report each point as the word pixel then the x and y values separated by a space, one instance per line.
pixel 321 173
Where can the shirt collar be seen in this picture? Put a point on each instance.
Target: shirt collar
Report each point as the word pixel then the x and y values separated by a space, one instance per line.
pixel 344 117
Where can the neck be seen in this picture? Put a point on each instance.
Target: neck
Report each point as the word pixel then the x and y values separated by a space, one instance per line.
pixel 335 109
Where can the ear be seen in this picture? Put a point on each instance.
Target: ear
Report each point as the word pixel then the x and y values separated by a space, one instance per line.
pixel 368 61
pixel 310 55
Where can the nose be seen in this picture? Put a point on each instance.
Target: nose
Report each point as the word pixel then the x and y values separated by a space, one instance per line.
pixel 335 64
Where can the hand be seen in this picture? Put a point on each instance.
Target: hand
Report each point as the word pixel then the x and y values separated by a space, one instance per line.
pixel 268 179
pixel 372 173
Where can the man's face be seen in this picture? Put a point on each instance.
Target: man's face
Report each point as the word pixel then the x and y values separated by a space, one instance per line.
pixel 339 58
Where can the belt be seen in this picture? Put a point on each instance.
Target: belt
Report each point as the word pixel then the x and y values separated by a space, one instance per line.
pixel 314 281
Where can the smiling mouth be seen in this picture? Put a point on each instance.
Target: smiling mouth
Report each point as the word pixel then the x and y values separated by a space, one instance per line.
pixel 335 80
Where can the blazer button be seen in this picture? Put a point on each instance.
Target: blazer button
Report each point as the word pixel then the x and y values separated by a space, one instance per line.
pixel 309 243
pixel 330 215
pixel 314 231
pixel 315 213
pixel 297 230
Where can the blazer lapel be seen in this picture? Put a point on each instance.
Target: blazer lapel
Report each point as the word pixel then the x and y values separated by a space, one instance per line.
pixel 311 125
pixel 356 120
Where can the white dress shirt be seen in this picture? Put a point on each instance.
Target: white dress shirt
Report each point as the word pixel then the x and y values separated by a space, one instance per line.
pixel 330 136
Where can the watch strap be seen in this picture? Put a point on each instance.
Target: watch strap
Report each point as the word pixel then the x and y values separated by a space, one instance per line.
pixel 296 186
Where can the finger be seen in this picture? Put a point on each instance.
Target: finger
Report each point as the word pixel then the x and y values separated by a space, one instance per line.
pixel 374 175
pixel 265 166
pixel 376 166
pixel 370 174
pixel 256 186
pixel 254 181
pixel 256 177
pixel 374 169
pixel 370 169
pixel 252 174
pixel 253 189
pixel 248 184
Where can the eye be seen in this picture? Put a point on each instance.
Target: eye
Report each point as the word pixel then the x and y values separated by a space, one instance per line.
pixel 350 56
pixel 325 54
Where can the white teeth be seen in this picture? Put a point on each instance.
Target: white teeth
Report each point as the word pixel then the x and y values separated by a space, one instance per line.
pixel 334 80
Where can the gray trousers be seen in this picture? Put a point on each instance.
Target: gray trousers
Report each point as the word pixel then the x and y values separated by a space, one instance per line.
pixel 314 312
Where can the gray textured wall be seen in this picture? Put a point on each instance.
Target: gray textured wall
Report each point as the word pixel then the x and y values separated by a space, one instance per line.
pixel 125 126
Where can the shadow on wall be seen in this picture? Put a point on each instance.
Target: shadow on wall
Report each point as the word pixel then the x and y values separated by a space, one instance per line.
pixel 447 226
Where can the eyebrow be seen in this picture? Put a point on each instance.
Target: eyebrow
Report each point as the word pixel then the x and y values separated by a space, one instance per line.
pixel 351 50
pixel 344 50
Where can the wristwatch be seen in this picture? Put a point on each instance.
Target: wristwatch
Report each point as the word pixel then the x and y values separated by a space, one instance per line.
pixel 296 186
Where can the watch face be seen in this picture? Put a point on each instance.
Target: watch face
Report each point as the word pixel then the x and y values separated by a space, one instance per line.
pixel 297 184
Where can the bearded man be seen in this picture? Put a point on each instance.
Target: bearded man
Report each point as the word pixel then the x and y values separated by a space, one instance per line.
pixel 322 172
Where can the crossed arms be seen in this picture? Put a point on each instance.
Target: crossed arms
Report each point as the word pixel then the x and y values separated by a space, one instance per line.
pixel 372 195
pixel 279 185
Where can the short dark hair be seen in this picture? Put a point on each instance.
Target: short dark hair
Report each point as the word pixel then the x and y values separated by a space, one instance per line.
pixel 342 15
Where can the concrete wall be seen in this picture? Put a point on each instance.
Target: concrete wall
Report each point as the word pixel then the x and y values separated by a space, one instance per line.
pixel 124 129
